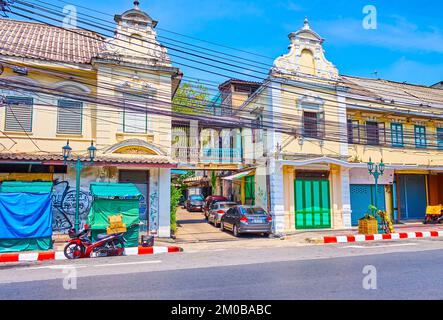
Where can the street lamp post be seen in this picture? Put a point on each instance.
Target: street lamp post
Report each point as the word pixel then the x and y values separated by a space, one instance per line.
pixel 376 170
pixel 67 150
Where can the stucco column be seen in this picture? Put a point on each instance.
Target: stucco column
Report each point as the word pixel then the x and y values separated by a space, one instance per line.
pixel 276 185
pixel 194 138
pixel 340 198
pixel 288 178
pixel 164 206
pixel 346 197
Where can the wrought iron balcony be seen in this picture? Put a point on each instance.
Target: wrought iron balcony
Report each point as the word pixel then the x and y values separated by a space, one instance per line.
pixel 207 155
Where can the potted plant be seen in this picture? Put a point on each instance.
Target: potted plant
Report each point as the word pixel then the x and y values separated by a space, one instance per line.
pixel 368 224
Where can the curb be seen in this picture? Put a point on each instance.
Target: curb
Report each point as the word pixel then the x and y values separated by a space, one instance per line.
pixel 377 237
pixel 59 255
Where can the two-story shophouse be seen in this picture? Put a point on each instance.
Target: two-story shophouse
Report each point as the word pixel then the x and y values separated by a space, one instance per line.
pixel 67 84
pixel 316 130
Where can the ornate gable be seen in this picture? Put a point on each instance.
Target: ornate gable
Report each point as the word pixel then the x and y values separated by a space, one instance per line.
pixel 306 56
pixel 135 40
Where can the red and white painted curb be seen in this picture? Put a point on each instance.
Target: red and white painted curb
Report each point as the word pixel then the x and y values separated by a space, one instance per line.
pixel 58 255
pixel 377 237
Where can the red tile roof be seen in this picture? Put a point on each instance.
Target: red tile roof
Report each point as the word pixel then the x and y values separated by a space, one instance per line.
pixel 101 158
pixel 44 42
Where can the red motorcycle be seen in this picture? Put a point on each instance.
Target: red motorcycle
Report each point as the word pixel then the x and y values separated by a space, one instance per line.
pixel 80 245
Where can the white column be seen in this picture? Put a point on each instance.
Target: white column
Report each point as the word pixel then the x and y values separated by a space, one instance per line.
pixel 343 124
pixel 164 206
pixel 346 197
pixel 276 186
pixel 193 140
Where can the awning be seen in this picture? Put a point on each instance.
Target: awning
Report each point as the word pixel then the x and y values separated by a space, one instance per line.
pixel 238 176
pixel 25 187
pixel 105 190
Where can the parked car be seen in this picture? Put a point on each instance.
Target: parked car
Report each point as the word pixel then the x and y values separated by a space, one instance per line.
pixel 209 201
pixel 218 210
pixel 247 219
pixel 195 203
pixel 181 201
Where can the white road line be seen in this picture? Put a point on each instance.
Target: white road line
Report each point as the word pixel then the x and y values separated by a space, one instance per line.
pixel 125 263
pixel 57 267
pixel 382 246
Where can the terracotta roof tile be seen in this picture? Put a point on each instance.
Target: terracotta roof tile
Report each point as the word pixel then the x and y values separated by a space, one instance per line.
pixel 41 41
pixel 102 158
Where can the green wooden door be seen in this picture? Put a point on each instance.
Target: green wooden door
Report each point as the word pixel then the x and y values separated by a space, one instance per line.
pixel 312 204
pixel 250 190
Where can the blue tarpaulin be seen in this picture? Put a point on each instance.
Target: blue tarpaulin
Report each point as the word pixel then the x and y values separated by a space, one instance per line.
pixel 25 216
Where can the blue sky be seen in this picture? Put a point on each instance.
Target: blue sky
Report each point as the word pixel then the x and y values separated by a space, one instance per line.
pixel 406 46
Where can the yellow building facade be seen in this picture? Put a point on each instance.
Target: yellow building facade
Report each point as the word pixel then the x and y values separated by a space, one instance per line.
pixel 61 85
pixel 318 131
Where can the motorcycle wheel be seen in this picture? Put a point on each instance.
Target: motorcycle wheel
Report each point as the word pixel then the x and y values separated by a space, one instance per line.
pixel 73 251
pixel 118 243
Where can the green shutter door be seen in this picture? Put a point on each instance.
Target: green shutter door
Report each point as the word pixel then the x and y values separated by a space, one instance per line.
pixel 250 190
pixel 312 204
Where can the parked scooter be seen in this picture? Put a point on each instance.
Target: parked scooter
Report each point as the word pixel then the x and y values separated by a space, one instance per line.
pixel 434 214
pixel 80 245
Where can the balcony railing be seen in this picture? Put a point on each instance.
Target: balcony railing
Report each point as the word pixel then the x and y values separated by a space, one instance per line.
pixel 207 155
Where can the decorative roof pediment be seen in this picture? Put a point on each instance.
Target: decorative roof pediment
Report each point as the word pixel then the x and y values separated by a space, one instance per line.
pixel 306 56
pixel 135 15
pixel 135 40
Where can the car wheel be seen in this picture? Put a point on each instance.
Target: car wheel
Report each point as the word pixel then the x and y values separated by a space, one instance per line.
pixel 235 231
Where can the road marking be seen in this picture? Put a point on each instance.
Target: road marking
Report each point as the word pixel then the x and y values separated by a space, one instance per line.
pixel 58 267
pixel 382 246
pixel 125 263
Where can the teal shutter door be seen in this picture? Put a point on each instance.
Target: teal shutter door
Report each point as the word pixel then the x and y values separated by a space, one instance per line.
pixel 250 190
pixel 312 204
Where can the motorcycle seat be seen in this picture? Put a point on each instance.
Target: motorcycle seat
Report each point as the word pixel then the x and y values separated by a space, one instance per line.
pixel 102 236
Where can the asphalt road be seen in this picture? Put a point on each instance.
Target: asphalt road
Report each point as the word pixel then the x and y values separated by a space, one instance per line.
pixel 398 270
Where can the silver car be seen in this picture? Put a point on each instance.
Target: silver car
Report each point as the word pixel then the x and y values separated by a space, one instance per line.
pixel 217 211
pixel 247 219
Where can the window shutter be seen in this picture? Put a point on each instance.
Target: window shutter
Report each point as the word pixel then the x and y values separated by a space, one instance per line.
pixel 19 114
pixel 382 133
pixel 135 114
pixel 69 117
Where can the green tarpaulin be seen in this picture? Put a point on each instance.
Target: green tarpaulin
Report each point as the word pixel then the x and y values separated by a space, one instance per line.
pixel 105 205
pixel 121 190
pixel 25 187
pixel 15 245
pixel 103 208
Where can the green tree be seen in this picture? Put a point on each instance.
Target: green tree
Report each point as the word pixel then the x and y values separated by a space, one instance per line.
pixel 177 190
pixel 190 99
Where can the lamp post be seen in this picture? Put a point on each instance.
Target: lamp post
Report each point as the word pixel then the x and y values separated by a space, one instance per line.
pixel 67 150
pixel 376 170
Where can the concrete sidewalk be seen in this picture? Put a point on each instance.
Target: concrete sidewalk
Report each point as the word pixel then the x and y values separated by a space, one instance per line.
pixel 406 228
